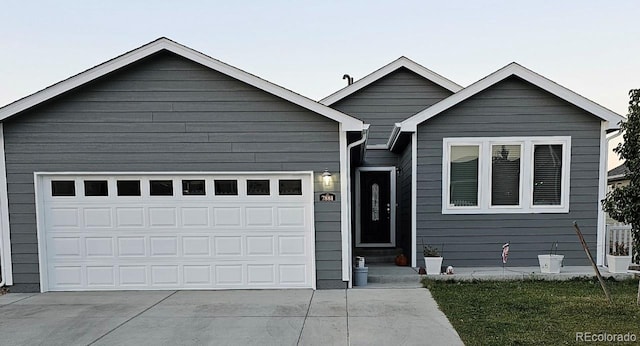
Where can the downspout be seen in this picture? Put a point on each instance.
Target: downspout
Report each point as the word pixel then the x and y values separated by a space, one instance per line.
pixel 365 134
pixel 2 265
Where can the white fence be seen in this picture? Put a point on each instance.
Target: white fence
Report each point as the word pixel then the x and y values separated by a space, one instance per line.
pixel 618 234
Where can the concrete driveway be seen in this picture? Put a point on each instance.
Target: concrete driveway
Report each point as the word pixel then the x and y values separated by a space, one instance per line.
pixel 264 317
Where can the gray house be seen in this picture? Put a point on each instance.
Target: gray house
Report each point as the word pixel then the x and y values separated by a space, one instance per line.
pixel 164 168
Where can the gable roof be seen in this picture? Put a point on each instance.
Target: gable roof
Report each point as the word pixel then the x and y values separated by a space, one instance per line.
pixel 348 123
pixel 386 70
pixel 618 173
pixel 513 69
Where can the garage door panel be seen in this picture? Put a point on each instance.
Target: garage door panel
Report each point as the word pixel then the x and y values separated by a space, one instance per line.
pixel 132 246
pixel 99 247
pixel 97 218
pixel 226 217
pixel 181 241
pixel 196 246
pixel 130 217
pixel 259 216
pixel 195 216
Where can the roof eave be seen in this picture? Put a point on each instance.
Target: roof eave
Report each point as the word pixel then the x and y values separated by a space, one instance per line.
pixel 513 69
pixel 348 123
pixel 386 70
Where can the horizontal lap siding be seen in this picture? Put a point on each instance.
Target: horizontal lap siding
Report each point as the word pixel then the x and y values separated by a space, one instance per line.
pixel 510 108
pixel 390 100
pixel 168 114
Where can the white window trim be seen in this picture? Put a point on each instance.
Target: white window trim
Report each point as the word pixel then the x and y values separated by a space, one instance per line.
pixel 526 175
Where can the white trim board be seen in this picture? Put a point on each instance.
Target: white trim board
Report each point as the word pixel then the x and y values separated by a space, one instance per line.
pixel 602 191
pixel 349 123
pixel 392 205
pixel 386 70
pixel 5 227
pixel 513 69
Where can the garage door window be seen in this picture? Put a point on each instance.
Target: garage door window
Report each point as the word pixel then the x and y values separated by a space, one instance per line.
pixel 290 187
pixel 161 187
pixel 193 188
pixel 96 188
pixel 63 188
pixel 226 187
pixel 258 187
pixel 128 187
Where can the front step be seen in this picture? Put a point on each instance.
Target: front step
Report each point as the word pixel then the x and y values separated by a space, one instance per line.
pixel 392 275
pixel 378 255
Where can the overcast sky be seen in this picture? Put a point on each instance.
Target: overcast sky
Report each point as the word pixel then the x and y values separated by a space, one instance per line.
pixel 590 47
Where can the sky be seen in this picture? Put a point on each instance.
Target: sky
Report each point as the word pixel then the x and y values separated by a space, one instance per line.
pixel 590 47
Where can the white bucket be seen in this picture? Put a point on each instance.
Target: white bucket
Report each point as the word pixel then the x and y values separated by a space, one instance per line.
pixel 359 262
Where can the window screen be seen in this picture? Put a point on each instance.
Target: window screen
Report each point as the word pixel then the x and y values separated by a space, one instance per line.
pixel 96 188
pixel 257 187
pixel 547 174
pixel 193 187
pixel 463 175
pixel 161 187
pixel 63 188
pixel 226 187
pixel 290 187
pixel 505 174
pixel 128 187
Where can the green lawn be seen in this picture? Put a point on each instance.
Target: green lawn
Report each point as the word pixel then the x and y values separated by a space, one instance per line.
pixel 537 312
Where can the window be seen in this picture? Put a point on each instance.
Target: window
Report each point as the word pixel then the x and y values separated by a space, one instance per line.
pixel 96 188
pixel 193 188
pixel 63 188
pixel 506 175
pixel 290 187
pixel 463 187
pixel 161 187
pixel 226 187
pixel 128 187
pixel 547 174
pixel 258 187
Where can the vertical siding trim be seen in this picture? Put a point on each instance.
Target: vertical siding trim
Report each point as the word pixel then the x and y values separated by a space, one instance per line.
pixel 5 231
pixel 602 191
pixel 414 197
pixel 344 209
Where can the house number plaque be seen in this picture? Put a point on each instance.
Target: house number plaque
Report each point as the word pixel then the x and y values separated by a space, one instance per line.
pixel 327 197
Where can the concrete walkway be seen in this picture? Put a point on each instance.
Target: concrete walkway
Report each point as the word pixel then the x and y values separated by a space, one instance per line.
pixel 263 317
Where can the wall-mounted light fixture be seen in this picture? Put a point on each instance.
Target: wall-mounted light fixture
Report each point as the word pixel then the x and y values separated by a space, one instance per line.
pixel 326 178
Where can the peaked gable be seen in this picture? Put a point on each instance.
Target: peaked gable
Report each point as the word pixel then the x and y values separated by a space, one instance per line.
pixel 386 70
pixel 348 123
pixel 517 70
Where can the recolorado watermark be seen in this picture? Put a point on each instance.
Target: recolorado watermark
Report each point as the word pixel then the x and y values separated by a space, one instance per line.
pixel 604 337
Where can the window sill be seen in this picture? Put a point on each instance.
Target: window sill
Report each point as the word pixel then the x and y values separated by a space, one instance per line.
pixel 536 210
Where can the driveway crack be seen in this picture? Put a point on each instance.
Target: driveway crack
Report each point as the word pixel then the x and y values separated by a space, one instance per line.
pixel 305 317
pixel 127 321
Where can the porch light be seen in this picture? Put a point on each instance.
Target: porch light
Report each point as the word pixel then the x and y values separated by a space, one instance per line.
pixel 326 178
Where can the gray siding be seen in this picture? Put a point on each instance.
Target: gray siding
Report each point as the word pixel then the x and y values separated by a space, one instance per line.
pixel 389 100
pixel 509 108
pixel 168 114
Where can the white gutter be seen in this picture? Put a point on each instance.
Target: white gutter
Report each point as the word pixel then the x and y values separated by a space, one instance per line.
pixel 365 134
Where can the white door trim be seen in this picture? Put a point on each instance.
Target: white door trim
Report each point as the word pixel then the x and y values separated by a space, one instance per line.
pixel 392 202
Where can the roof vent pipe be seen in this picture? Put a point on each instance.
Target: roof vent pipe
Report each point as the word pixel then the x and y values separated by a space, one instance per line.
pixel 348 78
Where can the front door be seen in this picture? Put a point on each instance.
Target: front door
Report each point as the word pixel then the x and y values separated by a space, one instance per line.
pixel 376 207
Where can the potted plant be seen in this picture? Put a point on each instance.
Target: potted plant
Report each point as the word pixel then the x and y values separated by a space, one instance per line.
pixel 432 259
pixel 552 262
pixel 618 258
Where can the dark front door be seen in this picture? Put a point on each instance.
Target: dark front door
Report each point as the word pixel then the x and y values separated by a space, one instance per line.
pixel 375 204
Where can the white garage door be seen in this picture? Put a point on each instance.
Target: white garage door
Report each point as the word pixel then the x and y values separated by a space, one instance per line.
pixel 153 231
